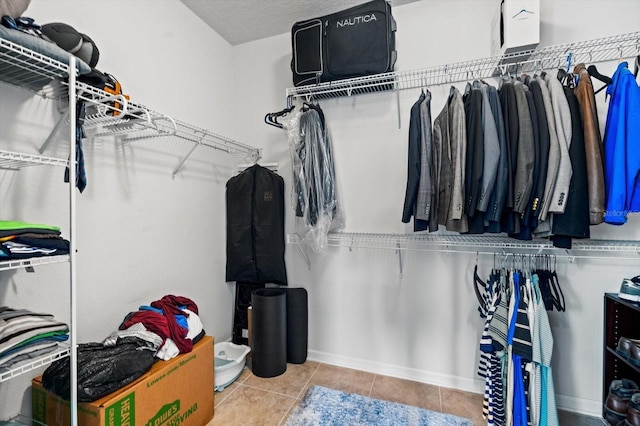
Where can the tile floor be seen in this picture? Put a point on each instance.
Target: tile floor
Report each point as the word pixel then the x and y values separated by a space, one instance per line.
pixel 253 400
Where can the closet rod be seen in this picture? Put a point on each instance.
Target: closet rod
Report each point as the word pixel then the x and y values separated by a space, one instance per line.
pixel 556 56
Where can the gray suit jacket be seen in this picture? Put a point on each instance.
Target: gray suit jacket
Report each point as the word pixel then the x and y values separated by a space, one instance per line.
pixel 458 139
pixel 441 138
pixel 553 164
pixel 425 185
pixel 491 151
pixel 526 152
pixel 562 117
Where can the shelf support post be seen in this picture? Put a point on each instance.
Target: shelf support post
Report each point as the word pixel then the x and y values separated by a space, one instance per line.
pixel 55 130
pixel 179 166
pixel 73 355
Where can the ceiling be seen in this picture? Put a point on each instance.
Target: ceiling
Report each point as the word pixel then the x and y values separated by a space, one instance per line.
pixel 241 21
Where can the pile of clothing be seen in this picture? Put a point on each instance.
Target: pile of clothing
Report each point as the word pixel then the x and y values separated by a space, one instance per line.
pixel 171 325
pixel 163 329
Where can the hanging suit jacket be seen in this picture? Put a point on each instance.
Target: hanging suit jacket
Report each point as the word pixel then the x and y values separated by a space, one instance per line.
pixel 562 117
pixel 553 163
pixel 457 217
pixel 574 222
pixel 413 168
pixel 441 138
pixel 491 151
pixel 498 196
pixel 255 227
pixel 436 157
pixel 543 146
pixel 592 144
pixel 425 185
pixel 475 157
pixel 621 135
pixel 526 153
pixel 510 112
pixel 528 220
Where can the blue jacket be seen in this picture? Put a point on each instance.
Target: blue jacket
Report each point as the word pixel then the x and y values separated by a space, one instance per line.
pixel 622 147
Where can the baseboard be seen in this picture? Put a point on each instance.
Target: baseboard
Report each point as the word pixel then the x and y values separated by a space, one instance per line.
pixel 566 403
pixel 579 405
pixel 429 377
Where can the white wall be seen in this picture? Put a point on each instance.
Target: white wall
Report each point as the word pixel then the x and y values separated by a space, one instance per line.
pixel 424 325
pixel 142 235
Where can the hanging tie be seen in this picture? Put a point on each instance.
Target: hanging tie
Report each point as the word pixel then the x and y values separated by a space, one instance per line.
pixel 81 175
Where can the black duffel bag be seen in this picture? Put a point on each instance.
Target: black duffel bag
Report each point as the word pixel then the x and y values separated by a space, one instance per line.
pixel 354 42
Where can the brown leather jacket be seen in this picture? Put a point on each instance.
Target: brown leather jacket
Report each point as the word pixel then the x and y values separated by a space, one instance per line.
pixel 592 143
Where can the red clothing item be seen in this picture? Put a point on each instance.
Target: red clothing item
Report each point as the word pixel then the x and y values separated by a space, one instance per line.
pixel 170 306
pixel 153 321
pixel 166 325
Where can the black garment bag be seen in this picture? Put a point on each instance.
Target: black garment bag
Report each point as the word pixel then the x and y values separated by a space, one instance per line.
pixel 255 227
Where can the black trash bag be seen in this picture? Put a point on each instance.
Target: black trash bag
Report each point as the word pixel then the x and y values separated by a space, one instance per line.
pixel 101 369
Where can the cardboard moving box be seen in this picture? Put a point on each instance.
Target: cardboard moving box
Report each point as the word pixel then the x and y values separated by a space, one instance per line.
pixel 171 393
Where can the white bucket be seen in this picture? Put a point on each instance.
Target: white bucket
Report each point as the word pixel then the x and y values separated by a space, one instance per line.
pixel 229 360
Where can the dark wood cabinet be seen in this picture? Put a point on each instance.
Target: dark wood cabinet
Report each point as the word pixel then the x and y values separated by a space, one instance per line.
pixel 621 319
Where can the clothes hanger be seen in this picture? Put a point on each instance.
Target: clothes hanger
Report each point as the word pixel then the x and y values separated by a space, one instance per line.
pixel 559 302
pixel 593 72
pixel 272 117
pixel 544 279
pixel 478 283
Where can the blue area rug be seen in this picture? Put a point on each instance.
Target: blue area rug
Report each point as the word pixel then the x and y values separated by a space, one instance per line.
pixel 324 406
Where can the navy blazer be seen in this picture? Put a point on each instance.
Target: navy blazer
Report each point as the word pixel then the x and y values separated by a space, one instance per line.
pixel 413 168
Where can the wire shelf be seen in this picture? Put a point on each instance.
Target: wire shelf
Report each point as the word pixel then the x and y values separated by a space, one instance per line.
pixel 62 352
pixel 134 122
pixel 6 265
pixel 528 61
pixel 478 244
pixel 15 160
pixel 25 68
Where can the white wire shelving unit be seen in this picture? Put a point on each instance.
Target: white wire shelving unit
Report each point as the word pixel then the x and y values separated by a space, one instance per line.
pixel 109 115
pixel 15 161
pixel 545 58
pixel 27 69
pixel 62 351
pixel 605 49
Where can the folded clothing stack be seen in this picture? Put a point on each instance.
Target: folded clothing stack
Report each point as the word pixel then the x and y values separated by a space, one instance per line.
pixel 25 335
pixel 23 240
